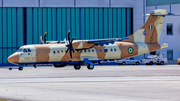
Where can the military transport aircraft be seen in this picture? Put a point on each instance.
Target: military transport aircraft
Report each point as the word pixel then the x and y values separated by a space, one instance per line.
pixel 88 52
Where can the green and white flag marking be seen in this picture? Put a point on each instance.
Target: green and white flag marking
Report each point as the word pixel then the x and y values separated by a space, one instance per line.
pixel 150 26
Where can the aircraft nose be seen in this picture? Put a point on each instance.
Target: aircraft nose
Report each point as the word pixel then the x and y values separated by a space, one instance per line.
pixel 14 58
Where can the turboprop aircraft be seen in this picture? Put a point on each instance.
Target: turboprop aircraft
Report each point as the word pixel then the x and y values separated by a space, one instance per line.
pixel 80 52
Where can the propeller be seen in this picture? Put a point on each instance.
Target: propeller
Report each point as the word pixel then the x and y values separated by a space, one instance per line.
pixel 69 45
pixel 43 42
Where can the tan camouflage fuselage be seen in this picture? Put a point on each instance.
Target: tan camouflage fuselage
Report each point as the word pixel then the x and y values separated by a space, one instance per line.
pixel 56 52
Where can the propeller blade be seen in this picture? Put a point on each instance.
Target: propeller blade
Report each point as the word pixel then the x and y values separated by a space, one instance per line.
pixel 69 36
pixel 73 39
pixel 73 50
pixel 45 37
pixel 70 54
pixel 41 39
pixel 67 50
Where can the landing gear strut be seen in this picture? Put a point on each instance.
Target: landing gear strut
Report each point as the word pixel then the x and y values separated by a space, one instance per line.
pixel 34 66
pixel 89 64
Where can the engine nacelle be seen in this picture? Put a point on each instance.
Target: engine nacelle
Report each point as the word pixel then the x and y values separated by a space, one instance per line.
pixel 59 65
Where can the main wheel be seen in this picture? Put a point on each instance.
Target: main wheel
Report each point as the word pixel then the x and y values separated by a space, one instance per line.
pixel 77 67
pixel 20 68
pixel 137 63
pixel 162 63
pixel 123 63
pixel 90 67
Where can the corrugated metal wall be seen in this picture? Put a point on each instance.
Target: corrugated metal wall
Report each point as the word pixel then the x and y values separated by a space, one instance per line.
pixel 161 2
pixel 11 31
pixel 21 26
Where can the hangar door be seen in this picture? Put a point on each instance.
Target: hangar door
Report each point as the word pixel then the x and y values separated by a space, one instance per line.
pixel 20 26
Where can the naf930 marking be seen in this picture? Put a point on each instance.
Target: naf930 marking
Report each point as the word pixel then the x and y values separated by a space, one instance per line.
pixel 80 52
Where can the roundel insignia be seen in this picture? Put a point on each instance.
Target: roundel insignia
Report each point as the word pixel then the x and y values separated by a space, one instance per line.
pixel 130 50
pixel 144 32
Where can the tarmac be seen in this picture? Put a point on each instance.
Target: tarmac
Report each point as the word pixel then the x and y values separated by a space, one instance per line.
pixel 104 83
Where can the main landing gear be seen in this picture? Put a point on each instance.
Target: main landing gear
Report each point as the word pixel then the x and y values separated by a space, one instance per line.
pixel 89 66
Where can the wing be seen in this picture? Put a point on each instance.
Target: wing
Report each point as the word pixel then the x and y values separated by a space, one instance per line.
pixel 102 42
pixel 55 42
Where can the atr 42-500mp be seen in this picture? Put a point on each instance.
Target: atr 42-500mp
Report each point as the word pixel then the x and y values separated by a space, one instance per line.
pixel 80 52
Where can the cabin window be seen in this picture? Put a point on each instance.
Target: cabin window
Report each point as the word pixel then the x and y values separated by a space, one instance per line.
pixel 114 49
pixel 105 50
pixel 62 51
pixel 88 50
pixel 81 51
pixel 25 50
pixel 58 52
pixel 92 50
pixel 84 50
pixel 96 50
pixel 54 52
pixel 111 50
pixel 99 50
pixel 169 29
pixel 29 50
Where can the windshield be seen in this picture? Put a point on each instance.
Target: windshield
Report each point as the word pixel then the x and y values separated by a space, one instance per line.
pixel 19 50
pixel 25 50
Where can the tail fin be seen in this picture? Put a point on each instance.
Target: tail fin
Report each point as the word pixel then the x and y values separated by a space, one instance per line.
pixel 150 32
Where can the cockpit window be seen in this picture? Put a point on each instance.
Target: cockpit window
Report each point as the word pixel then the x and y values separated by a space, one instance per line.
pixel 29 50
pixel 25 50
pixel 19 50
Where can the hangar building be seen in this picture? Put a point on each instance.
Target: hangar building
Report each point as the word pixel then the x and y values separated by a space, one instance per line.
pixel 24 21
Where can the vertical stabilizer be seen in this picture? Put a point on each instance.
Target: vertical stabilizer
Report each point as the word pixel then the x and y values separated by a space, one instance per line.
pixel 150 32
